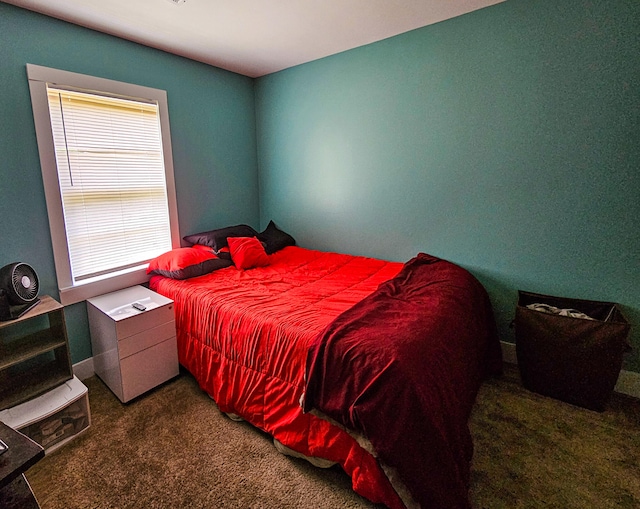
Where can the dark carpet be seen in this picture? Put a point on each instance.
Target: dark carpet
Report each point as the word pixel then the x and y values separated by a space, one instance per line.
pixel 172 448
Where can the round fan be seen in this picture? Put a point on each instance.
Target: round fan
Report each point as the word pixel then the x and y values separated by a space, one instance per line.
pixel 20 282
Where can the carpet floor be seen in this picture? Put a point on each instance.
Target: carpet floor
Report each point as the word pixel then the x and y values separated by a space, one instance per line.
pixel 172 448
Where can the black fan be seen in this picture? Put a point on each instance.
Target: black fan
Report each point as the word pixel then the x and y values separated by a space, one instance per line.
pixel 19 287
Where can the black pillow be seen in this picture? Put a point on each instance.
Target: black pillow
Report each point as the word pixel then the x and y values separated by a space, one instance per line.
pixel 217 239
pixel 196 270
pixel 275 239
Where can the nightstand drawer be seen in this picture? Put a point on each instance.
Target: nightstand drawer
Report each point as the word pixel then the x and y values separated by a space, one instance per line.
pixel 140 321
pixel 145 339
pixel 147 369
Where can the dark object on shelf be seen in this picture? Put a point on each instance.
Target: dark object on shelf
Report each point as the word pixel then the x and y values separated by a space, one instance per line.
pixel 19 288
pixel 566 355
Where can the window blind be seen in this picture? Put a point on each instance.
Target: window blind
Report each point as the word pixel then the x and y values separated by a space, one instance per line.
pixel 111 173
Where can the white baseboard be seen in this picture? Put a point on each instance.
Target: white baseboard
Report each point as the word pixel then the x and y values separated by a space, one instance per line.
pixel 509 352
pixel 628 381
pixel 84 369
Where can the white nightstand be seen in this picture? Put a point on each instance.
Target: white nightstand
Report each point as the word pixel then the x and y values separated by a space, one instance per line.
pixel 133 350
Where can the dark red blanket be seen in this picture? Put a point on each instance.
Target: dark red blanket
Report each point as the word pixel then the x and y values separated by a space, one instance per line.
pixel 403 367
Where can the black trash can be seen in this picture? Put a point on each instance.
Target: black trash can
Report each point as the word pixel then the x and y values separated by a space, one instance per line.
pixel 570 349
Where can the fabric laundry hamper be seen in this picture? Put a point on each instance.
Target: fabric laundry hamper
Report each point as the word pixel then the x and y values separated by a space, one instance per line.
pixel 563 354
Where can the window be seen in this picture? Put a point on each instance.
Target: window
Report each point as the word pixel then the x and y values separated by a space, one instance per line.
pixel 105 152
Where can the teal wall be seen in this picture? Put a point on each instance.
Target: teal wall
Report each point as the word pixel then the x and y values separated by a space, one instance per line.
pixel 506 140
pixel 212 116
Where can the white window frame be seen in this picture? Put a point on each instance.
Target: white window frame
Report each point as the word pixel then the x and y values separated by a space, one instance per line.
pixel 39 77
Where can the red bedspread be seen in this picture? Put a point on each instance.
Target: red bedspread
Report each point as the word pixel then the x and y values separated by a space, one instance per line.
pixel 403 366
pixel 244 335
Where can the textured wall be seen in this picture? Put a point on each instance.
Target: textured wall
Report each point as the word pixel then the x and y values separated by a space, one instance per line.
pixel 506 140
pixel 212 129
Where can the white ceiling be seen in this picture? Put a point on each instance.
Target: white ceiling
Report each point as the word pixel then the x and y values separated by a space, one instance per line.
pixel 254 37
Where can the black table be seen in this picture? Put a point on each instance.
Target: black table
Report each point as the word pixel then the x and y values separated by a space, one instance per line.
pixel 23 453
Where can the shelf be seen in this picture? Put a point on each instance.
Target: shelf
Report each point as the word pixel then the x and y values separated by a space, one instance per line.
pixel 46 305
pixel 34 353
pixel 30 346
pixel 32 382
pixel 39 395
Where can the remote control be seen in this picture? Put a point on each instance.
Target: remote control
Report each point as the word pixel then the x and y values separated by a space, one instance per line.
pixel 138 306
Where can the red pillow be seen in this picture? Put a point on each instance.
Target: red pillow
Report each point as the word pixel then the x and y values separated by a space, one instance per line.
pixel 186 262
pixel 247 252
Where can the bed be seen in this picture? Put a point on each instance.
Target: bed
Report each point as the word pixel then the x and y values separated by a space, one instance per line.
pixel 370 364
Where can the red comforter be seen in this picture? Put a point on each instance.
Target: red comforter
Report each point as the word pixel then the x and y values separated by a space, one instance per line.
pixel 245 336
pixel 403 367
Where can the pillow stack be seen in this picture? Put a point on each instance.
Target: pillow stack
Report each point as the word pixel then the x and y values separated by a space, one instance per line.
pixel 238 245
